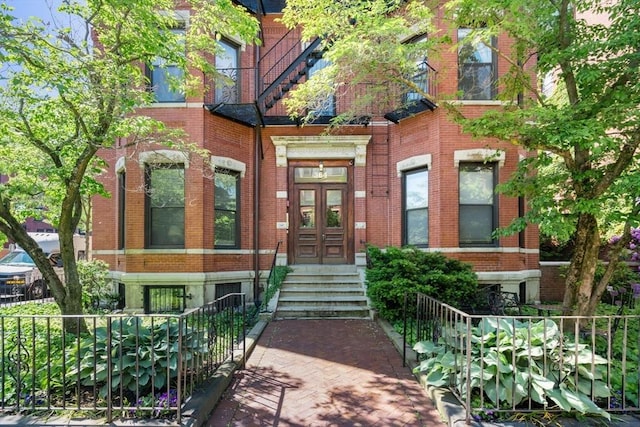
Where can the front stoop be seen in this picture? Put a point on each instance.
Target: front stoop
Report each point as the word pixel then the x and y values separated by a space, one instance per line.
pixel 323 291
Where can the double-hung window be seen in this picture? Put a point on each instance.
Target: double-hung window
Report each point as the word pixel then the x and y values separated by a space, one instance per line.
pixel 165 78
pixel 227 83
pixel 165 205
pixel 477 204
pixel 476 68
pixel 416 207
pixel 421 77
pixel 226 209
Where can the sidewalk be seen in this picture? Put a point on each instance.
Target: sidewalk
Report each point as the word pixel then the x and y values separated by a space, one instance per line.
pixel 305 373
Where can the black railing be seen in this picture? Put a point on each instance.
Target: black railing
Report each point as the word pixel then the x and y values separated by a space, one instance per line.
pixel 267 291
pixel 120 366
pixel 496 357
pixel 370 99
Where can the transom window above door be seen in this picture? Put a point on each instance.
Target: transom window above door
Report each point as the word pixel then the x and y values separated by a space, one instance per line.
pixel 320 174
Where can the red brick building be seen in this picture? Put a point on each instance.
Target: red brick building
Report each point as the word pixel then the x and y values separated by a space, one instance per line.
pixel 176 226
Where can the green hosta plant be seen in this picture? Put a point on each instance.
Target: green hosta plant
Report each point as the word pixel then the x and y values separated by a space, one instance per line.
pixel 144 356
pixel 513 360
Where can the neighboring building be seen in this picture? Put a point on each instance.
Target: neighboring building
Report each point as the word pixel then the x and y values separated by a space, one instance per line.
pixel 177 232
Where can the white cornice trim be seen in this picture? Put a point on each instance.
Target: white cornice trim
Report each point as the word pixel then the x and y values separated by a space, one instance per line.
pixel 163 156
pixel 479 155
pixel 229 163
pixel 413 163
pixel 120 165
pixel 321 147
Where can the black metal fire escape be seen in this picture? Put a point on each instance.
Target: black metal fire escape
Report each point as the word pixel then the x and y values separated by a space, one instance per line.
pixel 287 64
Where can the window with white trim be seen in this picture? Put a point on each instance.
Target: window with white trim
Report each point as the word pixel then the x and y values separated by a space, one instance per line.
pixel 477 204
pixel 415 201
pixel 226 207
pixel 164 205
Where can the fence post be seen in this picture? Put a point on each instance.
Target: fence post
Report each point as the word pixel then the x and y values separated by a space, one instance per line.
pixel 404 331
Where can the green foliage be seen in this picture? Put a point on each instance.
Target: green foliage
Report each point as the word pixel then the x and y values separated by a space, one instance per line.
pixel 512 361
pixel 144 354
pixel 396 271
pixel 278 276
pixel 20 336
pixel 362 43
pixel 97 288
pixel 69 93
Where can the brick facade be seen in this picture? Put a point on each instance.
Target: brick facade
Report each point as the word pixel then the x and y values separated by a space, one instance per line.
pixel 376 194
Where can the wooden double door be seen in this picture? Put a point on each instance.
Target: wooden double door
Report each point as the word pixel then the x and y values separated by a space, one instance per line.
pixel 321 213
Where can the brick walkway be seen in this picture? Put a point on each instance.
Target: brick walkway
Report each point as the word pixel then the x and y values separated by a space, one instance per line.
pixel 324 373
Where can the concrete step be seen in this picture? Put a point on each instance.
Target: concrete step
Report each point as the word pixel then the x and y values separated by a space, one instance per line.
pixel 323 291
pixel 284 301
pixel 314 291
pixel 343 312
pixel 323 283
pixel 322 269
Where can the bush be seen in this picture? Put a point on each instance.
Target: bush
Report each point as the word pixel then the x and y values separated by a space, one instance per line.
pixel 144 356
pixel 97 288
pixel 395 271
pixel 509 364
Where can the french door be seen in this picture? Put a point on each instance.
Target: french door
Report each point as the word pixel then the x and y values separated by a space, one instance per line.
pixel 320 215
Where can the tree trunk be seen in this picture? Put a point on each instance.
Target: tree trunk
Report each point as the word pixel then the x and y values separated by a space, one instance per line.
pixel 579 295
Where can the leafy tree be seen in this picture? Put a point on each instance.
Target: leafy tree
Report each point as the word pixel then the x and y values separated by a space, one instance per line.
pixel 69 91
pixel 585 134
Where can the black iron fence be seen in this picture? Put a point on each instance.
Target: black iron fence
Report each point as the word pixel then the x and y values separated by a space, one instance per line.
pixel 121 366
pixel 500 365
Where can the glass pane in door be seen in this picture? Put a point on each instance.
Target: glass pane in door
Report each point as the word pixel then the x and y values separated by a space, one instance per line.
pixel 307 208
pixel 333 216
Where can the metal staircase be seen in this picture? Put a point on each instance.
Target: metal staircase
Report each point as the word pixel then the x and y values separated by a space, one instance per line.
pixel 287 67
pixel 323 291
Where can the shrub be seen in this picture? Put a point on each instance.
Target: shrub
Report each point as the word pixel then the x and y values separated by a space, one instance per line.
pixel 395 271
pixel 144 356
pixel 512 361
pixel 97 288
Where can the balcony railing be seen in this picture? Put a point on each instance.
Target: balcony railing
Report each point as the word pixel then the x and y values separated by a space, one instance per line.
pixel 120 366
pixel 524 364
pixel 373 99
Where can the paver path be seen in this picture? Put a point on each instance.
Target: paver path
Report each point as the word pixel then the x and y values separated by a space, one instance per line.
pixel 325 373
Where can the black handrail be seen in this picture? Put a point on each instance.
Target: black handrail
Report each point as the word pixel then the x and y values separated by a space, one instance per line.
pixel 273 263
pixel 273 266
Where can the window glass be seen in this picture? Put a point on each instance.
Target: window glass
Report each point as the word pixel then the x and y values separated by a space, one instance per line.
pixel 334 209
pixel 164 77
pixel 421 78
pixel 477 210
pixel 165 206
pixel 227 65
pixel 327 105
pixel 307 208
pixel 320 174
pixel 476 68
pixel 416 207
pixel 226 209
pixel 476 184
pixel 121 209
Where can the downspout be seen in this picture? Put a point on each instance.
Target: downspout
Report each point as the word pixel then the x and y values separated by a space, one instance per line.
pixel 256 173
pixel 256 216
